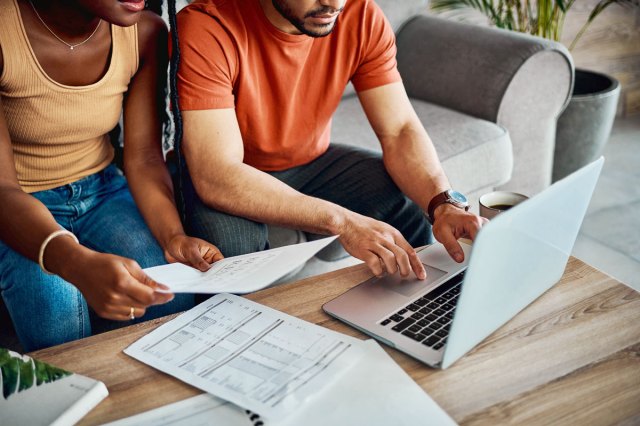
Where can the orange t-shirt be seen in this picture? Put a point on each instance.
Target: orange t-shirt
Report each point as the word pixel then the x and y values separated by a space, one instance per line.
pixel 284 87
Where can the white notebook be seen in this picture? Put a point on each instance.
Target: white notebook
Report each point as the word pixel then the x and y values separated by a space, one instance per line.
pixel 35 393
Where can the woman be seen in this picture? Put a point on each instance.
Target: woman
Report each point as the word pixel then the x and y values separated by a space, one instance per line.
pixel 68 68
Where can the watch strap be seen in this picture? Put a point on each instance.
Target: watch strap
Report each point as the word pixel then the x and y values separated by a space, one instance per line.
pixel 439 199
pixel 436 201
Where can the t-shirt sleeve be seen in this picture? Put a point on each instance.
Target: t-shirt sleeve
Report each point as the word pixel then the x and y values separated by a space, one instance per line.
pixel 378 65
pixel 207 63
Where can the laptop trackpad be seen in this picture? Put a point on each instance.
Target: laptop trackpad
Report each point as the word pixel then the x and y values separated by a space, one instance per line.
pixel 409 286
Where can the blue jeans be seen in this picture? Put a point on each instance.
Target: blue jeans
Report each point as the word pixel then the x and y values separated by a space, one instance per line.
pixel 99 210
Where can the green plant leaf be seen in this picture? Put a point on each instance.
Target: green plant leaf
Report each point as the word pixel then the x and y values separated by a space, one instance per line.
pixel 10 376
pixel 562 5
pixel 602 5
pixel 4 356
pixel 26 375
pixel 18 374
pixel 46 373
pixel 544 18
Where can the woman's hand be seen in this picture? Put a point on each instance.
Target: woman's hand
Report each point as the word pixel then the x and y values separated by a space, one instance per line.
pixel 192 251
pixel 112 285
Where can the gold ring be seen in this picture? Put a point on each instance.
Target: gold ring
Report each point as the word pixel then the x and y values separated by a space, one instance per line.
pixel 132 315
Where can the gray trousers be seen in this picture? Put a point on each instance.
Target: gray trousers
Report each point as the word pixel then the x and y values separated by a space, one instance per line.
pixel 348 176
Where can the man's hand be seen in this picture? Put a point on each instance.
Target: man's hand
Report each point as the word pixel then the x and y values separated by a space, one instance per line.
pixel 452 223
pixel 380 246
pixel 193 252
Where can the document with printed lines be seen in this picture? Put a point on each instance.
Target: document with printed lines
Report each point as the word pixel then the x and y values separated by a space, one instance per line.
pixel 256 357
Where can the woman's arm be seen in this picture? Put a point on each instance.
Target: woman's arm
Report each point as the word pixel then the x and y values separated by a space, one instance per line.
pixel 144 164
pixel 110 284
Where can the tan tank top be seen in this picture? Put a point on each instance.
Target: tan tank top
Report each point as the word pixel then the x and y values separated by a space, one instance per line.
pixel 59 133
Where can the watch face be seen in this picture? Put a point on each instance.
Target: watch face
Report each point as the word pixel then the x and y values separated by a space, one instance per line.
pixel 458 197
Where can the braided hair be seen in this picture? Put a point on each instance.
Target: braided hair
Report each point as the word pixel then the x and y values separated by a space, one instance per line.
pixel 116 135
pixel 173 90
pixel 154 6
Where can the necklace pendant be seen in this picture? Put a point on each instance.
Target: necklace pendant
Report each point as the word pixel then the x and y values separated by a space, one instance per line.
pixel 71 46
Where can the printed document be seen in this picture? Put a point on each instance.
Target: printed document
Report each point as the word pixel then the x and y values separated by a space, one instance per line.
pixel 388 397
pixel 238 274
pixel 256 357
pixel 201 410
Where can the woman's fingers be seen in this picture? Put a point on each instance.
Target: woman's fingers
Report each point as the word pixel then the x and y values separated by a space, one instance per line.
pixel 194 252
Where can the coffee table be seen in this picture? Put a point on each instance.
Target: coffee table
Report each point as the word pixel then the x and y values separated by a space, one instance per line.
pixel 571 357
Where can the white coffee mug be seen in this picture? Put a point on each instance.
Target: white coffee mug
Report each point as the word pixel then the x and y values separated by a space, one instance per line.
pixel 494 203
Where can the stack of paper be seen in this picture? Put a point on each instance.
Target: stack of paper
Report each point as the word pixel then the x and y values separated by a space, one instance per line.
pixel 249 354
pixel 375 392
pixel 289 371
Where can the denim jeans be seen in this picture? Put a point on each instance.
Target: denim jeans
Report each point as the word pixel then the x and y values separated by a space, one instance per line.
pixel 99 210
pixel 351 177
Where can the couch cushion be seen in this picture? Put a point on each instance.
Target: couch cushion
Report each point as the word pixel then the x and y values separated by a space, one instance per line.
pixel 475 153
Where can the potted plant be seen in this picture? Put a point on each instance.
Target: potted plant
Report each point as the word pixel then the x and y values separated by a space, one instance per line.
pixel 584 127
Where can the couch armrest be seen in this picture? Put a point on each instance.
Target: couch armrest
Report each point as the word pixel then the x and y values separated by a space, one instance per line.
pixel 515 80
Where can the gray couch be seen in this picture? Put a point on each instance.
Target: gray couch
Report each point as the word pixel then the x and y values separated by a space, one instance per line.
pixel 488 98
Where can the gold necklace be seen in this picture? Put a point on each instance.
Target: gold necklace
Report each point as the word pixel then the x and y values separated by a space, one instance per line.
pixel 71 46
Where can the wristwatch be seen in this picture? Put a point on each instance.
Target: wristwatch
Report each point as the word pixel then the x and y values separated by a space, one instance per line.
pixel 449 196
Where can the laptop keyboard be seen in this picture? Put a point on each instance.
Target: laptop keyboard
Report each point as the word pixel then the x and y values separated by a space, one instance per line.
pixel 428 319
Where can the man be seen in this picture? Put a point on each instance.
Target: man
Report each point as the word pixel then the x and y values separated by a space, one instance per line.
pixel 258 83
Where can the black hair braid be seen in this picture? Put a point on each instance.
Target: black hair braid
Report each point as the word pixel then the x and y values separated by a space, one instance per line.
pixel 154 6
pixel 116 134
pixel 177 116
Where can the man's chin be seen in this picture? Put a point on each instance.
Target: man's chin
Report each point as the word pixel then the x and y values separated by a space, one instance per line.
pixel 319 30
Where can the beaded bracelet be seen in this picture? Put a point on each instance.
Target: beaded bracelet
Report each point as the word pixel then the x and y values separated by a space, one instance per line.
pixel 46 241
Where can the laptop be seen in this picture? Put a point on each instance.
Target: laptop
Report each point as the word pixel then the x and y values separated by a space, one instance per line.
pixel 515 258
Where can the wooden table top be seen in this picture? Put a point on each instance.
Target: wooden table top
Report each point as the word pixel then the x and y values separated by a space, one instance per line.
pixel 571 357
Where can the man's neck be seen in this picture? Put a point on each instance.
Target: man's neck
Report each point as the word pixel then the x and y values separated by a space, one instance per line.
pixel 276 19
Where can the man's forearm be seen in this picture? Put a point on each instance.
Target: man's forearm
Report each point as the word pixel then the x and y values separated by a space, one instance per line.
pixel 413 164
pixel 242 190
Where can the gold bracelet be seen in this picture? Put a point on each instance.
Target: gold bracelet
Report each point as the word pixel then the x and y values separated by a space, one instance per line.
pixel 46 241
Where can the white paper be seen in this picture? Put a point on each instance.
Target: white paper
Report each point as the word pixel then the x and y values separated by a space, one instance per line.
pixel 201 410
pixel 375 392
pixel 238 274
pixel 256 357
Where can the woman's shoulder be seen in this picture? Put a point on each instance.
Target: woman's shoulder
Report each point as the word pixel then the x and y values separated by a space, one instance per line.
pixel 152 35
pixel 150 26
